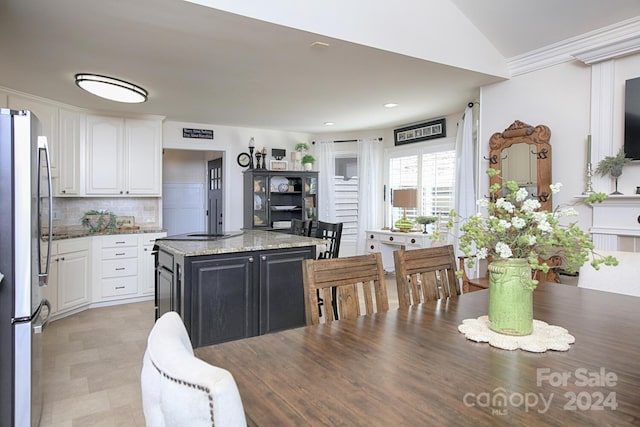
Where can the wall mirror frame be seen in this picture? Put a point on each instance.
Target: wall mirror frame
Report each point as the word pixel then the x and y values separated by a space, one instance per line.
pixel 538 139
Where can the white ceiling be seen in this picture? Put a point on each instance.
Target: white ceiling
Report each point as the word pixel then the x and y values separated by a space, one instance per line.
pixel 206 65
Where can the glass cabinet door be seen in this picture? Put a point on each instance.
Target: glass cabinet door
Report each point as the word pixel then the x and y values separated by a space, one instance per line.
pixel 260 201
pixel 310 197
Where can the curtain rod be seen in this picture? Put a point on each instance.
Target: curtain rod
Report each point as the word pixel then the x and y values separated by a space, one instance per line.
pixel 346 140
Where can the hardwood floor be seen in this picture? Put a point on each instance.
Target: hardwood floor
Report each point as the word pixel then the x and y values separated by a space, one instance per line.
pixel 93 361
pixel 92 367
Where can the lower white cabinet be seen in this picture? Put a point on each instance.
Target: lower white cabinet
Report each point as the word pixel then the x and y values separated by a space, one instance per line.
pixel 147 263
pixel 123 266
pixel 69 275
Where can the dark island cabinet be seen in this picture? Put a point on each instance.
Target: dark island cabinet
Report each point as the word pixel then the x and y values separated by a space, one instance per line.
pixel 239 295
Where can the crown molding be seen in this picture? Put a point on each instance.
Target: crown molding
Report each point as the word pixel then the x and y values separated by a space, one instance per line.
pixel 605 43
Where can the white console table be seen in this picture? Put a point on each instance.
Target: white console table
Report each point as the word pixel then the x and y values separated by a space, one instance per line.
pixel 387 241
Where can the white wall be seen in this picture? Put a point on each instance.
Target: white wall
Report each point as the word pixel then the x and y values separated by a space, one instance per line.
pixel 560 97
pixel 231 141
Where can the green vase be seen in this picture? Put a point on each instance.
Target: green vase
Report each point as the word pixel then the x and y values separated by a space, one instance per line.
pixel 510 297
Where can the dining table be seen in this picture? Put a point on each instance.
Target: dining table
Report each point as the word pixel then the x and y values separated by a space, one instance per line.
pixel 412 367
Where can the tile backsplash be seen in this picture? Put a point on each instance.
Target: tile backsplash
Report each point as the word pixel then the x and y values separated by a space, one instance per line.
pixel 68 212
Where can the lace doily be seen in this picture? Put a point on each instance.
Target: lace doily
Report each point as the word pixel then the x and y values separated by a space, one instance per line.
pixel 544 337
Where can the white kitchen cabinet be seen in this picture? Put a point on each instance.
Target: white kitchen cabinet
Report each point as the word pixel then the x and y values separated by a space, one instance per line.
pixel 143 157
pixel 147 266
pixel 104 153
pixel 124 266
pixel 48 117
pixel 68 182
pixel 69 275
pixel 117 265
pixel 124 156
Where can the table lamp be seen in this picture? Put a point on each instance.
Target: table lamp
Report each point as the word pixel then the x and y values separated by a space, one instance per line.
pixel 404 198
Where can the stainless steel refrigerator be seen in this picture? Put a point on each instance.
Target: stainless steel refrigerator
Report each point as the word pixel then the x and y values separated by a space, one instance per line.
pixel 25 239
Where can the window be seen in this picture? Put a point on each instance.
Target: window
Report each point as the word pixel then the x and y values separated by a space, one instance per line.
pixel 346 195
pixel 432 173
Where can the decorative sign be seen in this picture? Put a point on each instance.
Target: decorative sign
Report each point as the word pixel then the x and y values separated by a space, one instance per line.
pixel 197 133
pixel 420 132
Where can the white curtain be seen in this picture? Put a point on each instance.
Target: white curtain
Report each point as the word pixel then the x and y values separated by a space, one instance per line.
pixel 326 154
pixel 369 191
pixel 465 203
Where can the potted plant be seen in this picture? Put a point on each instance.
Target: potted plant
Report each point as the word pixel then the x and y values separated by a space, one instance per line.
pixel 98 221
pixel 426 220
pixel 517 237
pixel 613 165
pixel 308 160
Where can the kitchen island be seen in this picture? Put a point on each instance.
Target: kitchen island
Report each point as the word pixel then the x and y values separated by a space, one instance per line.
pixel 234 286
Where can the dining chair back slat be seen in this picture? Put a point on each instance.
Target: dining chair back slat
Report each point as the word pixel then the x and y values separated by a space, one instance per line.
pixel 425 274
pixel 357 279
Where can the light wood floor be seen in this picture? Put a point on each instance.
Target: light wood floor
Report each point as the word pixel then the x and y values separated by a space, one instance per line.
pixel 92 367
pixel 93 361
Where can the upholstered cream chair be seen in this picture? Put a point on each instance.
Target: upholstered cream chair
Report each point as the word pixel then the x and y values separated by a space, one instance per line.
pixel 623 278
pixel 179 389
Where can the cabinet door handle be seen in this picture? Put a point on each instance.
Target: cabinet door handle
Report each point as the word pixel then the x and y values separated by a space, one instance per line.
pixel 120 268
pixel 120 243
pixel 413 240
pixel 391 238
pixel 63 191
pixel 120 191
pixel 250 259
pixel 263 257
pixel 119 287
pixel 120 253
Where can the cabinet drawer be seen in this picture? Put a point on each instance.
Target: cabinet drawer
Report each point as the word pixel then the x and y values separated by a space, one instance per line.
pixel 119 286
pixel 120 267
pixel 118 253
pixel 119 241
pixel 72 245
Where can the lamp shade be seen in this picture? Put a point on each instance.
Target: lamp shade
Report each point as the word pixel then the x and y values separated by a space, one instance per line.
pixel 404 198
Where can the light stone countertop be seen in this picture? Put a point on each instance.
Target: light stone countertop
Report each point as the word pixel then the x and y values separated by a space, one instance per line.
pixel 248 241
pixel 64 233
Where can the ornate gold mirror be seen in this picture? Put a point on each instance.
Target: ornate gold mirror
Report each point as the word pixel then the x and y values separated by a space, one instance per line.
pixel 523 154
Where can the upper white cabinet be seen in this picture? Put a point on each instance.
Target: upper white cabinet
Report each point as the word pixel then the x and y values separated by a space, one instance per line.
pixel 143 157
pixel 124 156
pixel 48 117
pixel 68 182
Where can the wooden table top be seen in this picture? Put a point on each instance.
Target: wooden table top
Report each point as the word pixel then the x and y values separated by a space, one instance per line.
pixel 412 367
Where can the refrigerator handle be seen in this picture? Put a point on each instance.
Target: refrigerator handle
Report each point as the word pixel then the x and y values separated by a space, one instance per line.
pixel 39 328
pixel 44 148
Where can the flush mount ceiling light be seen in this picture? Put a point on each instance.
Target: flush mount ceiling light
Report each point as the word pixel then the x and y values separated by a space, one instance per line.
pixel 110 88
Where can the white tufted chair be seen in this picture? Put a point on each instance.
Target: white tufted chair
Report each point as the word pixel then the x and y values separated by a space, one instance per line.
pixel 621 279
pixel 179 389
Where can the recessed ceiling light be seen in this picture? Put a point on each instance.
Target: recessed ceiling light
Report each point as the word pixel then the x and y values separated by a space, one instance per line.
pixel 329 123
pixel 390 105
pixel 111 88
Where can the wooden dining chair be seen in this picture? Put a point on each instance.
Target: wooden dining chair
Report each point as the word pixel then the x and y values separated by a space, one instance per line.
pixel 356 279
pixel 300 227
pixel 425 275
